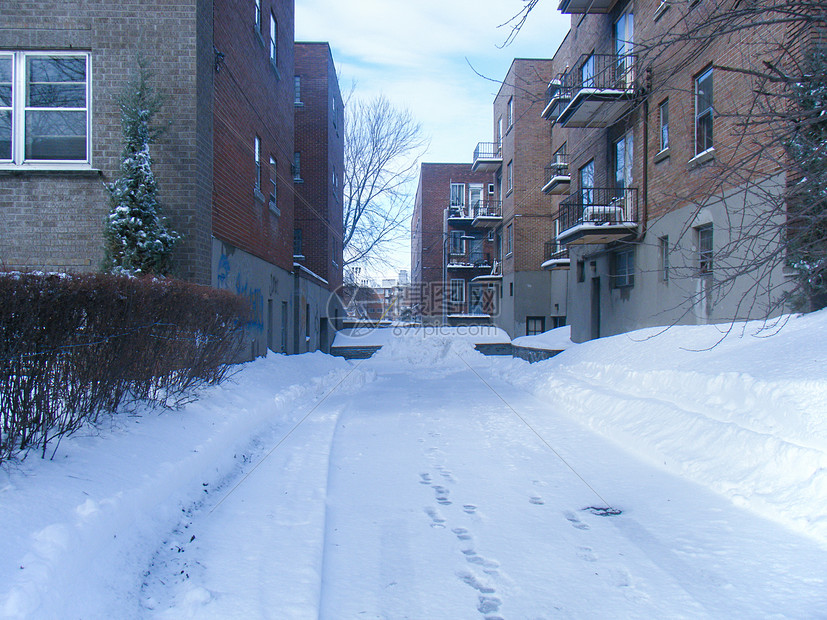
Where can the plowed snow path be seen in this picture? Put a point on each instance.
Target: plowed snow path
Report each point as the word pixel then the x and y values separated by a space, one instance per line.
pixel 422 495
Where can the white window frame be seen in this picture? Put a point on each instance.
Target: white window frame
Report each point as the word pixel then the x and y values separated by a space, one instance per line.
pixel 457 285
pixel 663 115
pixel 509 239
pixel 708 112
pixel 274 40
pixel 273 200
pixel 257 159
pixel 19 110
pixel 510 111
pixel 509 177
pixel 457 195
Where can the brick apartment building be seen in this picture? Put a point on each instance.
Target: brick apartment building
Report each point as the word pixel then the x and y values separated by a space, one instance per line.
pixel 452 247
pixel 318 173
pixel 635 140
pixel 224 165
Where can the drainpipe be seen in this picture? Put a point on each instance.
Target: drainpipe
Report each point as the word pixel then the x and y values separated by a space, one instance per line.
pixel 645 218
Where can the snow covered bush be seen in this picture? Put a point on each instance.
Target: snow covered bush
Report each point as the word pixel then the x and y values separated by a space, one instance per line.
pixel 138 239
pixel 76 347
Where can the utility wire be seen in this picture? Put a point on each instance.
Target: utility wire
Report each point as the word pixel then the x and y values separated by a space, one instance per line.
pixel 608 510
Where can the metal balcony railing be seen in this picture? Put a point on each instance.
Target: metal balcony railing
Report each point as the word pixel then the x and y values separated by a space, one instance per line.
pixel 488 208
pixel 488 150
pixel 599 206
pixel 458 258
pixel 559 167
pixel 554 251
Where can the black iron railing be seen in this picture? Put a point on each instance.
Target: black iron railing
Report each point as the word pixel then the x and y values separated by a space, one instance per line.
pixel 488 208
pixel 557 168
pixel 488 150
pixel 468 258
pixel 599 205
pixel 554 251
pixel 595 71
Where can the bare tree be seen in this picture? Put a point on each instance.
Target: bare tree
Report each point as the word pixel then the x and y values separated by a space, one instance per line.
pixel 776 134
pixel 383 145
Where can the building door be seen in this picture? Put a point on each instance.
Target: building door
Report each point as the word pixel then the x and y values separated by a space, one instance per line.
pixel 475 199
pixel 476 302
pixel 624 40
pixel 595 314
pixel 624 155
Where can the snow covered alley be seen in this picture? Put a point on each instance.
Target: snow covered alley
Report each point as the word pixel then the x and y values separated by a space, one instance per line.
pixel 422 483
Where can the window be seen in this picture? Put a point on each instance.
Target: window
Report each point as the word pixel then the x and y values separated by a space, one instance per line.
pixel 490 189
pixel 587 72
pixel 258 17
pixel 703 112
pixel 663 250
pixel 257 154
pixel 457 198
pixel 333 112
pixel 297 242
pixel 581 271
pixel 297 166
pixel 509 239
pixel 297 90
pixel 499 246
pixel 624 40
pixel 511 289
pixel 457 242
pixel 535 325
pixel 509 178
pixel 273 185
pixel 500 131
pixel 663 109
pixel 510 112
pixel 274 40
pixel 586 174
pixel 560 161
pixel 705 250
pixel 335 180
pixel 623 268
pixel 44 108
pixel 457 290
pixel 491 235
pixel 624 155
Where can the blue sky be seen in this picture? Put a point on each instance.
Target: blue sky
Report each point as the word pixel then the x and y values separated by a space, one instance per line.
pixel 418 55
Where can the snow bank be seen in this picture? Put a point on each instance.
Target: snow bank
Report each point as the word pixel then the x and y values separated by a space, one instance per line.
pixel 558 339
pixel 743 411
pixel 75 528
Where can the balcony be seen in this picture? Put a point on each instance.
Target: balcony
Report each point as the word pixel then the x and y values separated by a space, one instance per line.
pixel 487 214
pixel 557 179
pixel 460 215
pixel 598 215
pixel 580 7
pixel 597 92
pixel 467 260
pixel 488 157
pixel 557 98
pixel 555 256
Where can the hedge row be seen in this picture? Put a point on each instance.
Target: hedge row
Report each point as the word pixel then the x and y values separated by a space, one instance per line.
pixel 75 347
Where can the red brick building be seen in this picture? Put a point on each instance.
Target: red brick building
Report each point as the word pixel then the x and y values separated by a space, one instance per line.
pixel 318 167
pixel 640 140
pixel 451 245
pixel 224 167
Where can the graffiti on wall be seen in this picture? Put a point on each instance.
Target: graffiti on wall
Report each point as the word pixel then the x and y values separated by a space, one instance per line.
pixel 234 276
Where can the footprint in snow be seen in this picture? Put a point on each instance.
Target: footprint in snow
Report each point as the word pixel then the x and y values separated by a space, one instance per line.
pixel 469 509
pixel 489 604
pixel 461 533
pixel 441 495
pixel 425 478
pixel 536 500
pixel 436 519
pixel 585 553
pixel 572 518
pixel 472 581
